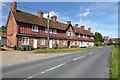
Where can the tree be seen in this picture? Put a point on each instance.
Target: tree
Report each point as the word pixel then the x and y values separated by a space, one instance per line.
pixel 3 29
pixel 98 39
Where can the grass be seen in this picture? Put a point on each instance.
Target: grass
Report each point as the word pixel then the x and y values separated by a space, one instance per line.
pixel 114 64
pixel 63 50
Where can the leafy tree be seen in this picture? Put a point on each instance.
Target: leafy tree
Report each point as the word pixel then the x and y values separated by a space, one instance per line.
pixel 98 39
pixel 3 29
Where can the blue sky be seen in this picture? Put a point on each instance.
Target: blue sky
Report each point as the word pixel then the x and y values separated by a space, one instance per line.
pixel 100 16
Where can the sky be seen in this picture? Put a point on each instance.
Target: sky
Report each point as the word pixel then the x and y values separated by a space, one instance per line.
pixel 100 16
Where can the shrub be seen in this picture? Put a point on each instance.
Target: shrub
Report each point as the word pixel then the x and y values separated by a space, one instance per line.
pixel 23 48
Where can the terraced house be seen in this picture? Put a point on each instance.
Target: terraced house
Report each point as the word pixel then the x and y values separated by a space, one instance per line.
pixel 28 29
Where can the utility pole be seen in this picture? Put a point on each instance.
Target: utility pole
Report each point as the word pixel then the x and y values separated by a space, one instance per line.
pixel 48 29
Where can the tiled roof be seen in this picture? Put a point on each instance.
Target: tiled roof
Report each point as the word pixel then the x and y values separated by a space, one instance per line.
pixel 21 16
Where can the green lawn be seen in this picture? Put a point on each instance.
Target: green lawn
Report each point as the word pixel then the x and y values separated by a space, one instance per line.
pixel 63 50
pixel 114 63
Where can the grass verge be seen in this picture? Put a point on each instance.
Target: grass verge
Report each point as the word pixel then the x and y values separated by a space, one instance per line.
pixel 114 64
pixel 63 50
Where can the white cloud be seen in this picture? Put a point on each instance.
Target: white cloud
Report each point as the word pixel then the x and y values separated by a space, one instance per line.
pixel 84 14
pixel 52 13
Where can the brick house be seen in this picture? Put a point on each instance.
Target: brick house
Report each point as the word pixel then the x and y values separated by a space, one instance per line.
pixel 28 29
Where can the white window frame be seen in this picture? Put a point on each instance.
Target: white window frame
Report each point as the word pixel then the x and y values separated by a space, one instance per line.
pixel 83 36
pixel 25 41
pixel 68 33
pixel 63 42
pixel 46 30
pixel 50 31
pixel 57 41
pixel 42 41
pixel 73 42
pixel 78 35
pixel 53 41
pixel 34 27
pixel 54 31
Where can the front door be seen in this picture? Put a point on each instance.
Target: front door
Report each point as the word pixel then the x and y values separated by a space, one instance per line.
pixel 34 43
pixel 50 43
pixel 69 44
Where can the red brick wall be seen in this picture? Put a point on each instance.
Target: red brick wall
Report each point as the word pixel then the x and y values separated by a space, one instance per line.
pixel 11 31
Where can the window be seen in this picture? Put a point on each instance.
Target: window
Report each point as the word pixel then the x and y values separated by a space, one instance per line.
pixel 69 33
pixel 78 35
pixel 83 36
pixel 46 30
pixel 50 31
pixel 0 37
pixel 73 42
pixel 53 41
pixel 63 42
pixel 77 42
pixel 57 41
pixel 34 28
pixel 42 40
pixel 25 41
pixel 54 31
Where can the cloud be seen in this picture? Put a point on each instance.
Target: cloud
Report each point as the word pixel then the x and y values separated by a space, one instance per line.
pixel 86 13
pixel 52 13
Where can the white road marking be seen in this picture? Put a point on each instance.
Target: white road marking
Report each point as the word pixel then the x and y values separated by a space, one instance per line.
pixel 53 68
pixel 90 53
pixel 45 71
pixel 78 58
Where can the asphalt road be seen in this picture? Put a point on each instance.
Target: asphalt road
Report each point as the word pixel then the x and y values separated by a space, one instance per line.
pixel 86 64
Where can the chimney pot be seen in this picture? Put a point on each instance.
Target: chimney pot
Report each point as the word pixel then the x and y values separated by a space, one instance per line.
pixel 40 14
pixel 69 22
pixel 89 29
pixel 13 6
pixel 54 18
pixel 82 27
pixel 76 25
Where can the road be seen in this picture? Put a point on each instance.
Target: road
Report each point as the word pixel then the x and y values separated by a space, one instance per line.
pixel 86 64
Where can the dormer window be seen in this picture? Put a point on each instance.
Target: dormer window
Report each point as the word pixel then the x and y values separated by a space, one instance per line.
pixel 69 33
pixel 78 35
pixel 35 28
pixel 46 30
pixel 54 31
pixel 50 31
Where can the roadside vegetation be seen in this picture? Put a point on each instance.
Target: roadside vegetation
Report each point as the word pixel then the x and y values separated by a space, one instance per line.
pixel 62 50
pixel 115 62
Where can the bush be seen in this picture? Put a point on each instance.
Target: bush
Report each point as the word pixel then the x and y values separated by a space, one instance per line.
pixel 23 48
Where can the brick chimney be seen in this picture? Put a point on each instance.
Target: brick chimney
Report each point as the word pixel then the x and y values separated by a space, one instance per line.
pixel 89 29
pixel 82 27
pixel 68 22
pixel 14 6
pixel 76 25
pixel 54 18
pixel 40 14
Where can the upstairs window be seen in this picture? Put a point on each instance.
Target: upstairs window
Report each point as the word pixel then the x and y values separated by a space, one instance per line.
pixel 54 31
pixel 69 33
pixel 46 30
pixel 78 35
pixel 83 36
pixel 50 31
pixel 35 28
